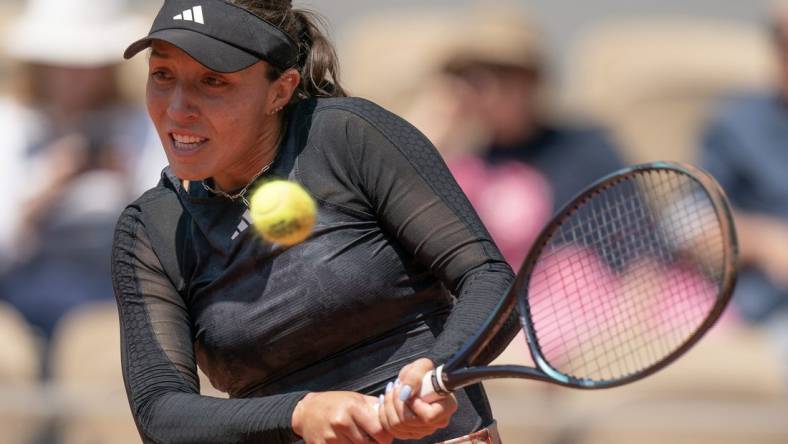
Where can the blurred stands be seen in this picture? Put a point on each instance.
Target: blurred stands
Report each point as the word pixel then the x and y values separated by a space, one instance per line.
pixel 391 58
pixel 482 96
pixel 87 379
pixel 655 81
pixel 76 151
pixel 19 349
pixel 22 412
pixel 728 389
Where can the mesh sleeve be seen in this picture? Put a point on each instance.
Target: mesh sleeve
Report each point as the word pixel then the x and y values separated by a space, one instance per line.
pixel 158 363
pixel 417 200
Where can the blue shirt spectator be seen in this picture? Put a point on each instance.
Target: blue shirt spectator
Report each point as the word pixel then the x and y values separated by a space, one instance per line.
pixel 746 149
pixel 569 158
pixel 487 113
pixel 78 150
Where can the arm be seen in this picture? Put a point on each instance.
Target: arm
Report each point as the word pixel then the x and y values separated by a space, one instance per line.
pixel 158 360
pixel 418 201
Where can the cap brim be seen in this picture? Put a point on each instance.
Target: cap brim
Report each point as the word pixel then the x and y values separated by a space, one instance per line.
pixel 215 55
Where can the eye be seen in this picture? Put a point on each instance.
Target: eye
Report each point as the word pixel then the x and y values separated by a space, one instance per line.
pixel 160 75
pixel 214 82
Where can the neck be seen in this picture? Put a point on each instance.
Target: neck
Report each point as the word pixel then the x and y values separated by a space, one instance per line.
pixel 248 168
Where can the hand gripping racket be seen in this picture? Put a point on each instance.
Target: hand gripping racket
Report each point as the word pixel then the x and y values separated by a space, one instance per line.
pixel 624 280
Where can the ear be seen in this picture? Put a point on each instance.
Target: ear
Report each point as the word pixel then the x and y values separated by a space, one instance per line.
pixel 282 90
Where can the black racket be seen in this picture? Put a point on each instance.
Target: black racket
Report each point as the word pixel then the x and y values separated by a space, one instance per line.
pixel 624 280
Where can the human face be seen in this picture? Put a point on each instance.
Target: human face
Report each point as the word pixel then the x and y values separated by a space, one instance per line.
pixel 212 125
pixel 506 99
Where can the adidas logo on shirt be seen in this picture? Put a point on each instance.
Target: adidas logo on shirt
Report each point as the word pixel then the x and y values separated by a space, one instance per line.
pixel 191 15
pixel 246 222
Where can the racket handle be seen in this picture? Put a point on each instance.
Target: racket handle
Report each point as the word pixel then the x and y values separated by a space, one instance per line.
pixel 429 392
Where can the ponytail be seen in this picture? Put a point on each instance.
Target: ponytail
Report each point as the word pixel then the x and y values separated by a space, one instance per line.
pixel 318 63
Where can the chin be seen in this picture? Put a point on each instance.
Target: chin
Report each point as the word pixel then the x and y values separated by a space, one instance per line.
pixel 188 172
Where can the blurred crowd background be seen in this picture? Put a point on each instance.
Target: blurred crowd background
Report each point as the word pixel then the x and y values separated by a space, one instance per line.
pixel 528 101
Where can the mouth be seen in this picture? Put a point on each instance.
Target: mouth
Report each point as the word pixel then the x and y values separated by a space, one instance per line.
pixel 184 143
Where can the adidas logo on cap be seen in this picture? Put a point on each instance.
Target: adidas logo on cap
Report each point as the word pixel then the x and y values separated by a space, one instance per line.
pixel 191 15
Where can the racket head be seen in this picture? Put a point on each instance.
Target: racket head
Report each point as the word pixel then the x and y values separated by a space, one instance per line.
pixel 664 196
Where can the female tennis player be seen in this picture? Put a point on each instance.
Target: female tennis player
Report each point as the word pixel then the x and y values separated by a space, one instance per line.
pixel 325 341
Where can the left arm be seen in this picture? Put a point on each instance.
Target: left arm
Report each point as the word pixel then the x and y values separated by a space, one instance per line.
pixel 417 200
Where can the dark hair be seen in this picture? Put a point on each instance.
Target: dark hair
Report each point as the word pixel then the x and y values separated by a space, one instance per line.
pixel 317 58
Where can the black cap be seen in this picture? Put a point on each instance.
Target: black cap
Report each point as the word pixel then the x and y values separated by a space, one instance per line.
pixel 219 35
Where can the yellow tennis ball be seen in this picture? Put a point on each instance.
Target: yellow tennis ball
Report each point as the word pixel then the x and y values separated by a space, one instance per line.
pixel 283 212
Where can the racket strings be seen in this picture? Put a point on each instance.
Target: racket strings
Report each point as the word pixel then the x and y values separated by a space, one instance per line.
pixel 627 277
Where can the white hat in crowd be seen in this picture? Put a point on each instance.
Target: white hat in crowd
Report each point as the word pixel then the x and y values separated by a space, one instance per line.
pixel 81 33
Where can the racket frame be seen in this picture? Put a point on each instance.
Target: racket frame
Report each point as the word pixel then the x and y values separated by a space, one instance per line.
pixel 458 372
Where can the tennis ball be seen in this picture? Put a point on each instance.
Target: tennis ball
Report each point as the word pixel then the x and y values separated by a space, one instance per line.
pixel 282 212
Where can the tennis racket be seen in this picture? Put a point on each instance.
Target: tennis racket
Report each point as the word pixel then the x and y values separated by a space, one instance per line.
pixel 624 280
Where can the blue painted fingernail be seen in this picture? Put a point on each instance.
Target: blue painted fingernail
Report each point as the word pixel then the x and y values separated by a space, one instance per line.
pixel 389 387
pixel 405 392
pixel 382 399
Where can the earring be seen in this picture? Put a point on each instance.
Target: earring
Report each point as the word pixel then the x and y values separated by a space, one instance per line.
pixel 271 113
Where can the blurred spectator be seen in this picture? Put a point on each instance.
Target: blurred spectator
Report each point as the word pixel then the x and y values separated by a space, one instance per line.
pixel 489 116
pixel 746 148
pixel 72 155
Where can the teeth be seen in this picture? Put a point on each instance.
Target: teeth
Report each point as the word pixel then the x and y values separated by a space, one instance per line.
pixel 187 139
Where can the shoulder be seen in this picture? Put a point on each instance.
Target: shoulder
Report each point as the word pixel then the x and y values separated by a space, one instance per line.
pixel 164 189
pixel 163 195
pixel 341 113
pixel 349 107
pixel 356 124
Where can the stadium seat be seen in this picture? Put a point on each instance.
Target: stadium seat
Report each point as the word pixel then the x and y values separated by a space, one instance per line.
pixel 654 81
pixel 21 407
pixel 19 349
pixel 87 378
pixel 8 10
pixel 733 372
pixel 388 58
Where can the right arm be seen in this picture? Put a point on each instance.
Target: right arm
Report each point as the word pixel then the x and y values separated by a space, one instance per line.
pixel 160 372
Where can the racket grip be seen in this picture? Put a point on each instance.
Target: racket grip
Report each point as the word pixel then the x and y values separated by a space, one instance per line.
pixel 429 392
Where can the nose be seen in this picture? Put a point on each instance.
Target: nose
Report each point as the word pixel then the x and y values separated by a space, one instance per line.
pixel 182 108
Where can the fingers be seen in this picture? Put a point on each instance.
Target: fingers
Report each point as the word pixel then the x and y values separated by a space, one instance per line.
pixel 361 425
pixel 339 417
pixel 411 375
pixel 397 413
pixel 369 423
pixel 403 426
pixel 437 413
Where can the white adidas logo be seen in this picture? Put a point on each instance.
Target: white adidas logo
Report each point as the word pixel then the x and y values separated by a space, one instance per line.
pixel 246 222
pixel 191 15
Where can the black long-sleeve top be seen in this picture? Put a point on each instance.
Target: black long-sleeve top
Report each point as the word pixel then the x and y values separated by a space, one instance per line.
pixel 398 267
